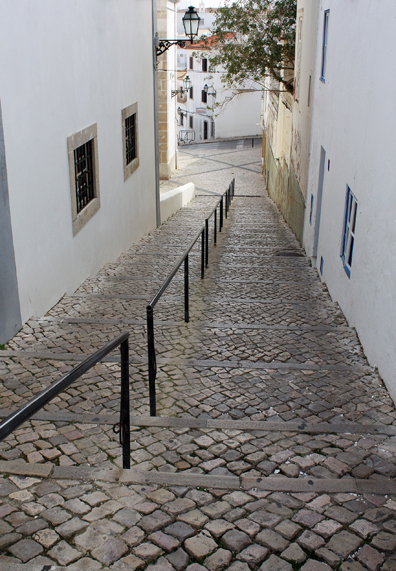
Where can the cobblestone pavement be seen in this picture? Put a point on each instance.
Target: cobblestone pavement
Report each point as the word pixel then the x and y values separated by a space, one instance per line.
pixel 274 448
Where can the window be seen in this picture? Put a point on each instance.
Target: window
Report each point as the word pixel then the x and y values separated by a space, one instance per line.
pixel 204 96
pixel 84 176
pixel 324 46
pixel 204 64
pixel 182 119
pixel 349 231
pixel 130 139
pixel 191 63
pixel 191 92
pixel 309 91
pixel 191 122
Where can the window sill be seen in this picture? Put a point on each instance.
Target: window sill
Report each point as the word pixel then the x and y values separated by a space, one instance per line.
pixel 85 215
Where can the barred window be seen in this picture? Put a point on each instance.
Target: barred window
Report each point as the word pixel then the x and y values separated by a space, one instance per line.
pixel 84 173
pixel 84 176
pixel 130 139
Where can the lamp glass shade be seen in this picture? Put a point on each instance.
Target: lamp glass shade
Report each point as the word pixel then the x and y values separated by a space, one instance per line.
pixel 191 22
pixel 206 88
pixel 187 82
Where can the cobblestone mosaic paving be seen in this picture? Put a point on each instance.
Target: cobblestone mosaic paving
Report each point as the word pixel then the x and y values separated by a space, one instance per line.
pixel 96 524
pixel 266 347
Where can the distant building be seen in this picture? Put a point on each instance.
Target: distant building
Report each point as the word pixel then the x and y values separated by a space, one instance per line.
pixel 214 112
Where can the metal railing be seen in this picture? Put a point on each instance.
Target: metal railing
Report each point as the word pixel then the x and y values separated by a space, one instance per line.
pixel 224 205
pixel 186 136
pixel 15 419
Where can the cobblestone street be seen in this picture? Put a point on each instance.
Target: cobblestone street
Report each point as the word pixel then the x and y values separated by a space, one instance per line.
pixel 274 445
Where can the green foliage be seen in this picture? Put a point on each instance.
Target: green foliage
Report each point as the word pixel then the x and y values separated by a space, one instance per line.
pixel 256 38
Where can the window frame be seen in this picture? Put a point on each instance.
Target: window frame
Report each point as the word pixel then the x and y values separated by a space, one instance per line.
pixel 324 45
pixel 127 112
pixel 349 231
pixel 74 142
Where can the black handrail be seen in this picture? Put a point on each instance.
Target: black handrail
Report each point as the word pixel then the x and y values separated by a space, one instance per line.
pixel 18 417
pixel 224 202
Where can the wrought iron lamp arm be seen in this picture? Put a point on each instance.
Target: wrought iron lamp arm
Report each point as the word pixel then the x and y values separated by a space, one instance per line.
pixel 164 45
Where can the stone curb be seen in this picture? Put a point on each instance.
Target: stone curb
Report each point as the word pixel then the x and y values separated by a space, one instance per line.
pixel 271 483
pixel 210 423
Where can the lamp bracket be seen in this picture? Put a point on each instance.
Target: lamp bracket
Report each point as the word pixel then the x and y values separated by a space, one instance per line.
pixel 164 45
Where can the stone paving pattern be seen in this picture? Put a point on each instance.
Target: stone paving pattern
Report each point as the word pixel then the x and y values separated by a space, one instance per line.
pixel 265 346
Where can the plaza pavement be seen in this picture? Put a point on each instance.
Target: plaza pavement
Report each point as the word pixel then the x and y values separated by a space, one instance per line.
pixel 274 445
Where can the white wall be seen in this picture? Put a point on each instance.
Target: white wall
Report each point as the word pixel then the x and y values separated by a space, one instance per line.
pixel 354 121
pixel 64 66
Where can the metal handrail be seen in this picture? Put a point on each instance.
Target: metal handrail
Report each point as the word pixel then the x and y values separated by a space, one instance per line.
pixel 224 202
pixel 18 417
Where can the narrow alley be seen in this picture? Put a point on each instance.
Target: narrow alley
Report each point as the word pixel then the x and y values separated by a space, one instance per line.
pixel 274 445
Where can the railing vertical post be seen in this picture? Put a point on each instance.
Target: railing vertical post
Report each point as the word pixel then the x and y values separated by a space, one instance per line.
pixel 221 214
pixel 233 187
pixel 203 255
pixel 125 422
pixel 215 227
pixel 186 300
pixel 151 359
pixel 226 203
pixel 206 243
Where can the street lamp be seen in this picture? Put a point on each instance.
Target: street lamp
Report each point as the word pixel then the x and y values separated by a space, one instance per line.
pixel 206 89
pixel 191 24
pixel 186 86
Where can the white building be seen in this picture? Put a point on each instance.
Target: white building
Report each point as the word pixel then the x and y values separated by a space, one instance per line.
pixel 350 218
pixel 219 112
pixel 77 150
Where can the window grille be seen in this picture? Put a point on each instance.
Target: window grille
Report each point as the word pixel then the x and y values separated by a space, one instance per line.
pixel 130 138
pixel 84 175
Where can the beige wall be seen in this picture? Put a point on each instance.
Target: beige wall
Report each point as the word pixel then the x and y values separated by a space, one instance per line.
pixel 166 23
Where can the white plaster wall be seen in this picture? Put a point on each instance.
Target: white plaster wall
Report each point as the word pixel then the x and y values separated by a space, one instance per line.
pixel 241 116
pixel 301 110
pixel 354 121
pixel 64 66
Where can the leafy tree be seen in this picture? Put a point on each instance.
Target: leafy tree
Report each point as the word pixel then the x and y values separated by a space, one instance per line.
pixel 255 39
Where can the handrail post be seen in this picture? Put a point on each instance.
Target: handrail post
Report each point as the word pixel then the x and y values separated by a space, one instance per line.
pixel 203 255
pixel 206 243
pixel 151 359
pixel 226 203
pixel 125 422
pixel 221 214
pixel 186 299
pixel 215 227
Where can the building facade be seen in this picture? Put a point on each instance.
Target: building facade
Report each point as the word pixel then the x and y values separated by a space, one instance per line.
pixel 217 112
pixel 350 219
pixel 77 147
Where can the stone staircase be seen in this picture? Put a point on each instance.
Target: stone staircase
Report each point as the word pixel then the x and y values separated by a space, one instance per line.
pixel 274 445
